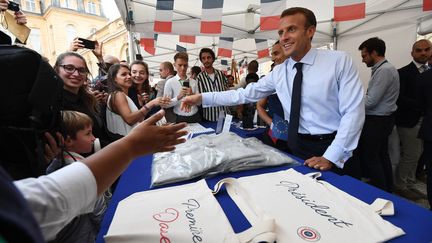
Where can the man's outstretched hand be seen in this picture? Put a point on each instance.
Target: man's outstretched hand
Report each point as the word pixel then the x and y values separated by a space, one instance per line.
pixel 189 101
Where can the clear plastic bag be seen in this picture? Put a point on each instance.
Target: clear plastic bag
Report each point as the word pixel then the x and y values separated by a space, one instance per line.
pixel 213 154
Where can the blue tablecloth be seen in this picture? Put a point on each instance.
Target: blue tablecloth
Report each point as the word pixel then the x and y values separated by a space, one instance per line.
pixel 414 220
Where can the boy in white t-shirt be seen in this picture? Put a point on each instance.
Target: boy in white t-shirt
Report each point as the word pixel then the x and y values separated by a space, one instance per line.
pixel 78 140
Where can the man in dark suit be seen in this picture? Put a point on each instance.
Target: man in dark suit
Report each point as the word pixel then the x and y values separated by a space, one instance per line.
pixel 425 133
pixel 408 119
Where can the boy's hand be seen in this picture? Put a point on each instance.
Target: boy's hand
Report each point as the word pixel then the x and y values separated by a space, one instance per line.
pixel 52 148
pixel 149 138
pixel 319 163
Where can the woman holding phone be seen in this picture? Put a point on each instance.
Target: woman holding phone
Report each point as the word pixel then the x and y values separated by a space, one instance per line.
pixel 140 91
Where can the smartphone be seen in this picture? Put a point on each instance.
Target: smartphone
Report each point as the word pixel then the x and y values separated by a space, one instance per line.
pixel 186 84
pixel 88 43
pixel 139 57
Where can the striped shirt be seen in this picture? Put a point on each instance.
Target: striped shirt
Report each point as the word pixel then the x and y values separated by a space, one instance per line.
pixel 206 84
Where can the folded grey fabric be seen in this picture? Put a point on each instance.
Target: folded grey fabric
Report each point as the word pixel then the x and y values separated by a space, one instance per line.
pixel 213 154
pixel 269 156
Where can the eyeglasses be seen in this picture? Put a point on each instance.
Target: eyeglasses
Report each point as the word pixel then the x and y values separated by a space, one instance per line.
pixel 71 69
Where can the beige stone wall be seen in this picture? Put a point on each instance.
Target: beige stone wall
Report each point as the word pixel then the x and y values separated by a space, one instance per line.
pixel 59 19
pixel 52 25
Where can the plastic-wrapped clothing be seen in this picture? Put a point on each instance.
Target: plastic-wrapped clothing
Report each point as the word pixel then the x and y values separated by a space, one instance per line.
pixel 212 154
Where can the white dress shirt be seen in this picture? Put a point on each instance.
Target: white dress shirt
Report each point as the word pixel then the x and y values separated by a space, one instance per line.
pixel 421 67
pixel 173 86
pixel 57 198
pixel 332 98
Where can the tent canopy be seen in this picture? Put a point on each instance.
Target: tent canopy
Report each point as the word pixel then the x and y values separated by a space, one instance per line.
pixel 394 21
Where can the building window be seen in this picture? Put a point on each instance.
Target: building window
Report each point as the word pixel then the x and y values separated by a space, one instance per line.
pixel 91 6
pixel 67 4
pixel 31 5
pixel 34 40
pixel 71 33
pixel 93 31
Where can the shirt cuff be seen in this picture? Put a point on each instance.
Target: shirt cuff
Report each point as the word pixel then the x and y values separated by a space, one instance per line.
pixel 206 99
pixel 337 156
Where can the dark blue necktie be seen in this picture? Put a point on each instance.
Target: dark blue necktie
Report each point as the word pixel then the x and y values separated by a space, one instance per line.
pixel 295 107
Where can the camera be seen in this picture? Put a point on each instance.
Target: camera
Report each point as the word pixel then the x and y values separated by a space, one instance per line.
pixel 13 6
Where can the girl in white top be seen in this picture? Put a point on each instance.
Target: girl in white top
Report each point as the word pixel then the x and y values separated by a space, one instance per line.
pixel 122 114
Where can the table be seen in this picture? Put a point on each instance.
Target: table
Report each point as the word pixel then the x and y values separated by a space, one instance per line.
pixel 242 133
pixel 414 220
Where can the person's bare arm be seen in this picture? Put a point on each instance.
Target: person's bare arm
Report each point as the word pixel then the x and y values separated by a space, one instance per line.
pixel 108 164
pixel 159 101
pixel 121 106
pixel 98 52
pixel 262 113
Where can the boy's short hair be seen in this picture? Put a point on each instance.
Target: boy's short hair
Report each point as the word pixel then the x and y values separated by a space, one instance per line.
pixel 74 121
pixel 181 55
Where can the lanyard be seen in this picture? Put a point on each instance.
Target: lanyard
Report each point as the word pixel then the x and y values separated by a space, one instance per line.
pixel 378 67
pixel 181 81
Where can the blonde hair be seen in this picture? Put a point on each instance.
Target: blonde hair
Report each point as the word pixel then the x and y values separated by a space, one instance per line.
pixel 74 121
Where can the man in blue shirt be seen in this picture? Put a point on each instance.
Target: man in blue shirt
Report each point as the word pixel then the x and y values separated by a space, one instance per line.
pixel 380 103
pixel 325 128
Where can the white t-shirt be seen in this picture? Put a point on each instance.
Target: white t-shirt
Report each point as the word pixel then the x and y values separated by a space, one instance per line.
pixel 57 198
pixel 212 76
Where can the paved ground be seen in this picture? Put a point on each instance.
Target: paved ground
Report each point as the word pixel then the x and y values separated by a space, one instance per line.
pixel 421 187
pixel 420 190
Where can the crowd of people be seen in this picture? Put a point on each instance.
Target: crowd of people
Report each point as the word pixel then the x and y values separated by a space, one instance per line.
pixel 333 124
